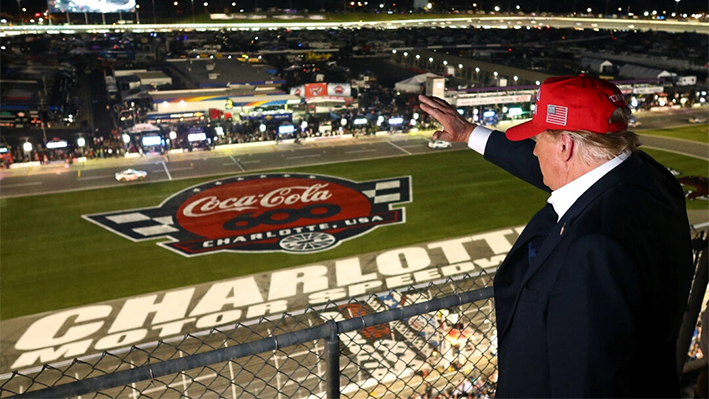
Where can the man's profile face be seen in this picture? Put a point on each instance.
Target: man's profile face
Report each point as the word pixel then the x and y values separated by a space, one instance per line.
pixel 546 152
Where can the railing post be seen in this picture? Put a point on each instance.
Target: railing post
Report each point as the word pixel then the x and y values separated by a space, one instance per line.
pixel 694 303
pixel 332 350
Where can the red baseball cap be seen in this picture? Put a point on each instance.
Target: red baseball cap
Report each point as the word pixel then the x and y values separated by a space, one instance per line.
pixel 573 103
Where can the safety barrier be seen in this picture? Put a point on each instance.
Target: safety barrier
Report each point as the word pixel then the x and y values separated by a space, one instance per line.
pixel 434 338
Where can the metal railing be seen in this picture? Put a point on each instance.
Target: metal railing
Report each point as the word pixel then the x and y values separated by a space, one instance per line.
pixel 421 341
pixel 434 338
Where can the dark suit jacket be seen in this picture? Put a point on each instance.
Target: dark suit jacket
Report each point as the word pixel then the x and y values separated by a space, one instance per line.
pixel 596 313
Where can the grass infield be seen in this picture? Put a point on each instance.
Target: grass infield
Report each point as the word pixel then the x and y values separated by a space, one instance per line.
pixel 51 258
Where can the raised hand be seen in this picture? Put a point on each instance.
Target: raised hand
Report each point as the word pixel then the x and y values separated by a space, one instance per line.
pixel 455 127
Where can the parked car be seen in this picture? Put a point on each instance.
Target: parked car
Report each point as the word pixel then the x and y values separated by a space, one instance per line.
pixel 439 144
pixel 131 174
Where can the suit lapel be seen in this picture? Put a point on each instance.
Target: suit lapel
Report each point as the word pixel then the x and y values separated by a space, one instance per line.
pixel 557 231
pixel 512 271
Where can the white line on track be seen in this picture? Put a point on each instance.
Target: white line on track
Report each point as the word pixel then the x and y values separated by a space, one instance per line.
pixel 245 162
pixel 304 156
pixel 36 183
pixel 408 153
pixel 185 168
pixel 236 161
pixel 94 177
pixel 358 151
pixel 169 176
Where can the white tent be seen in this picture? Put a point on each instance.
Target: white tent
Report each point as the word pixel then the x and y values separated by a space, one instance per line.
pixel 413 84
pixel 640 72
pixel 597 64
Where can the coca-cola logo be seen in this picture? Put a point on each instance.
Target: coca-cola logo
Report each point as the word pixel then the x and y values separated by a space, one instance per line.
pixel 316 91
pixel 292 213
pixel 339 90
pixel 297 92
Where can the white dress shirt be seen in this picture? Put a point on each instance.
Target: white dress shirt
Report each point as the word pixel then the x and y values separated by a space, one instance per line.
pixel 562 198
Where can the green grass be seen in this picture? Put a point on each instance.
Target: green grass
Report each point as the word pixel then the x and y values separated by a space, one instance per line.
pixel 699 133
pixel 51 258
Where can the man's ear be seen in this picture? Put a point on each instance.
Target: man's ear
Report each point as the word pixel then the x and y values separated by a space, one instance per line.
pixel 566 147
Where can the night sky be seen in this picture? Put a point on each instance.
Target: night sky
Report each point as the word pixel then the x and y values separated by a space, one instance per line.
pixel 598 6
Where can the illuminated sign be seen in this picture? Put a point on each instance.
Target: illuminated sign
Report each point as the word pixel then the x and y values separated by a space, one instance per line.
pixel 515 111
pixel 360 121
pixel 285 129
pixel 490 100
pixel 396 121
pixel 152 140
pixel 196 137
pixel 56 144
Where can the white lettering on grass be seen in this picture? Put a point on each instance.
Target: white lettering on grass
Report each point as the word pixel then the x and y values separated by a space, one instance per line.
pixel 285 283
pixel 453 249
pixel 490 263
pixel 362 288
pixel 43 332
pixel 173 327
pixel 135 311
pixel 123 338
pixel 399 281
pixel 496 240
pixel 349 271
pixel 390 263
pixel 236 293
pixel 327 295
pixel 458 268
pixel 50 354
pixel 219 319
pixel 275 307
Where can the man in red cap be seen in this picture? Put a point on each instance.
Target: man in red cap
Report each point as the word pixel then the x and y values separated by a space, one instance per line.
pixel 590 298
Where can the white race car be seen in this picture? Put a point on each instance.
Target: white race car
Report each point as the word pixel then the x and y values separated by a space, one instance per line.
pixel 131 174
pixel 439 144
pixel 697 119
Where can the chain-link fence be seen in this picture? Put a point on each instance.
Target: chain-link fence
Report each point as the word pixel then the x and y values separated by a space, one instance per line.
pixel 431 340
pixel 438 338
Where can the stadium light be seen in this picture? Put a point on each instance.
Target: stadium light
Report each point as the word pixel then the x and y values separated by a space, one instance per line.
pixel 81 141
pixel 27 146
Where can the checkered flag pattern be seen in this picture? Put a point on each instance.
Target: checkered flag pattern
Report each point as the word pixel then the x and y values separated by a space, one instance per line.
pixel 138 225
pixel 389 191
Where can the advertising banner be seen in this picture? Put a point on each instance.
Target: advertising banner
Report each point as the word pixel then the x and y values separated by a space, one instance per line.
pixel 315 89
pixel 339 89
